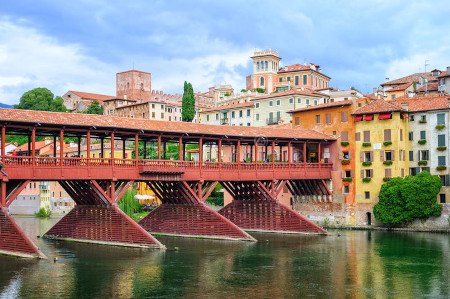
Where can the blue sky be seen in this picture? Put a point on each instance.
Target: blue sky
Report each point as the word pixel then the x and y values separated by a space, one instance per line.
pixel 80 45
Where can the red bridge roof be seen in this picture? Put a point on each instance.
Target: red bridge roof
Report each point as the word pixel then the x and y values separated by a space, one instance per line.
pixel 60 119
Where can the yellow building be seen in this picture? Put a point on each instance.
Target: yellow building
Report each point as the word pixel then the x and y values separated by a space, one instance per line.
pixel 381 139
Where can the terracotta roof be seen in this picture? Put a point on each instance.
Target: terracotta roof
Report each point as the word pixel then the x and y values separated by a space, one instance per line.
pixel 424 102
pixel 305 92
pixel 444 74
pixel 137 71
pixel 411 78
pixel 59 119
pixel 230 106
pixel 371 96
pixel 299 67
pixel 38 146
pixel 378 106
pixel 97 146
pixel 92 96
pixel 119 99
pixel 323 106
pixel 430 87
pixel 400 87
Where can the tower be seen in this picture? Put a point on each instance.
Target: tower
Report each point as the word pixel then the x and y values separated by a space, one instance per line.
pixel 134 85
pixel 265 68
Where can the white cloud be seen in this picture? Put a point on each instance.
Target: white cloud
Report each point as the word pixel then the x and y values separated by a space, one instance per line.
pixel 31 59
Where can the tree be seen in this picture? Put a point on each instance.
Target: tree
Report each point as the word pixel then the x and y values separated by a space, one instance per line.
pixel 188 103
pixel 41 99
pixel 94 108
pixel 402 200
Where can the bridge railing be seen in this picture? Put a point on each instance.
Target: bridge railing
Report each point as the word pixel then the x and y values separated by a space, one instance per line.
pixel 130 163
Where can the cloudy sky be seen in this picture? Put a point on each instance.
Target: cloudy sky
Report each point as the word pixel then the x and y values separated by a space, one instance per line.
pixel 80 45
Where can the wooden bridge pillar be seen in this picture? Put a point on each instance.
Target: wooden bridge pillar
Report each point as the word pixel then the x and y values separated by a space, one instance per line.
pixel 255 208
pixel 97 219
pixel 13 241
pixel 184 213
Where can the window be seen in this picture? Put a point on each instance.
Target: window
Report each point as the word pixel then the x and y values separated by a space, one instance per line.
pixel 280 79
pixel 401 134
pixel 257 116
pixel 278 115
pixel 368 156
pixel 297 120
pixel 328 118
pixel 207 118
pixel 299 100
pixel 348 173
pixel 358 136
pixel 162 115
pixel 368 173
pixel 424 155
pixel 411 136
pixel 346 189
pixel 248 124
pixel 305 80
pixel 288 79
pixel 411 117
pixel 153 106
pixel 344 116
pixel 445 180
pixel 278 102
pixel 423 135
pixel 261 81
pixel 388 155
pixel 344 136
pixel 423 118
pixel 162 106
pixel 233 114
pixel 411 155
pixel 296 80
pixel 248 112
pixel 387 135
pixel 257 105
pixel 315 102
pixel 440 118
pixel 442 198
pixel 441 140
pixel 346 155
pixel 153 114
pixel 217 116
pixel 388 173
pixel 257 65
pixel 366 136
pixel 441 161
pixel 291 101
pixel 270 103
pixel 317 119
pixel 240 113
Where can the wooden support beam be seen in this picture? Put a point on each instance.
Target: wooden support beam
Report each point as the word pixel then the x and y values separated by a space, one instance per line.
pixel 159 147
pixel 136 147
pixel 61 147
pixel 180 149
pixel 3 141
pixel 112 145
pixel 88 144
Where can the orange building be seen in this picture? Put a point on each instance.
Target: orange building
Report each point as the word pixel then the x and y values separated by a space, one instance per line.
pixel 334 119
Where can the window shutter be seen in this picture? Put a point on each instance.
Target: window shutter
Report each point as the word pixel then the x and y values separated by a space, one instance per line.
pixel 387 172
pixel 381 156
pixel 352 173
pixel 387 135
pixel 361 156
pixel 342 174
pixel 357 136
pixel 371 156
pixel 349 154
pixel 344 136
pixel 371 173
pixel 328 118
pixel 362 173
pixel 341 155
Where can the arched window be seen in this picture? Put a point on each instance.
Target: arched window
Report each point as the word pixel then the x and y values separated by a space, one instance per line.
pixel 257 65
pixel 142 86
pixel 267 65
pixel 128 85
pixel 261 81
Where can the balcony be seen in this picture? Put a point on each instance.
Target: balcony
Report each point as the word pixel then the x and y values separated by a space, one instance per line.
pixel 273 120
pixel 224 121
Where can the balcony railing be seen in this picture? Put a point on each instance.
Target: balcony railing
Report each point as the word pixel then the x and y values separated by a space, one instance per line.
pixel 272 121
pixel 160 164
pixel 224 121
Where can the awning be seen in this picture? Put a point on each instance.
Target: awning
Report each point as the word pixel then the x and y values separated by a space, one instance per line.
pixel 385 116
pixel 368 117
pixel 358 117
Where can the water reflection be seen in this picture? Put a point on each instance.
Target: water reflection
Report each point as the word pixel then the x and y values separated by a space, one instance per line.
pixel 357 264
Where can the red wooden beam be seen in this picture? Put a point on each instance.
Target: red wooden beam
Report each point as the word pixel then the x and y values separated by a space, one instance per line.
pixel 15 192
pixel 3 141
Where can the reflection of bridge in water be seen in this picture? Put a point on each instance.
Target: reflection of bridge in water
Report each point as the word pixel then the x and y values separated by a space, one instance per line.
pixel 293 160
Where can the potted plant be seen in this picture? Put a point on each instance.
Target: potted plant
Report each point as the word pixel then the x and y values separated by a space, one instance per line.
pixel 367 163
pixel 387 143
pixel 345 143
pixel 366 144
pixel 366 180
pixel 441 167
pixel 422 141
pixel 387 162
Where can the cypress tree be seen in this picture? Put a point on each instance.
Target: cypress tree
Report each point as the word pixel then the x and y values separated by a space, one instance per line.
pixel 188 103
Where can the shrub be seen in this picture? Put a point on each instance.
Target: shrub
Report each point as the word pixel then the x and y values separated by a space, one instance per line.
pixel 366 144
pixel 43 213
pixel 440 127
pixel 422 162
pixel 441 167
pixel 402 200
pixel 387 143
pixel 422 141
pixel 366 180
pixel 366 163
pixel 345 162
pixel 345 143
pixel 387 162
pixel 441 148
pixel 346 179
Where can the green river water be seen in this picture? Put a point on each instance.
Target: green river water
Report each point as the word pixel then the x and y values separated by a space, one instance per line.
pixel 356 264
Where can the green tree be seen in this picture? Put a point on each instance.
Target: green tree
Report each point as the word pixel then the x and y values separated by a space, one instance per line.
pixel 402 200
pixel 94 108
pixel 188 103
pixel 129 204
pixel 41 99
